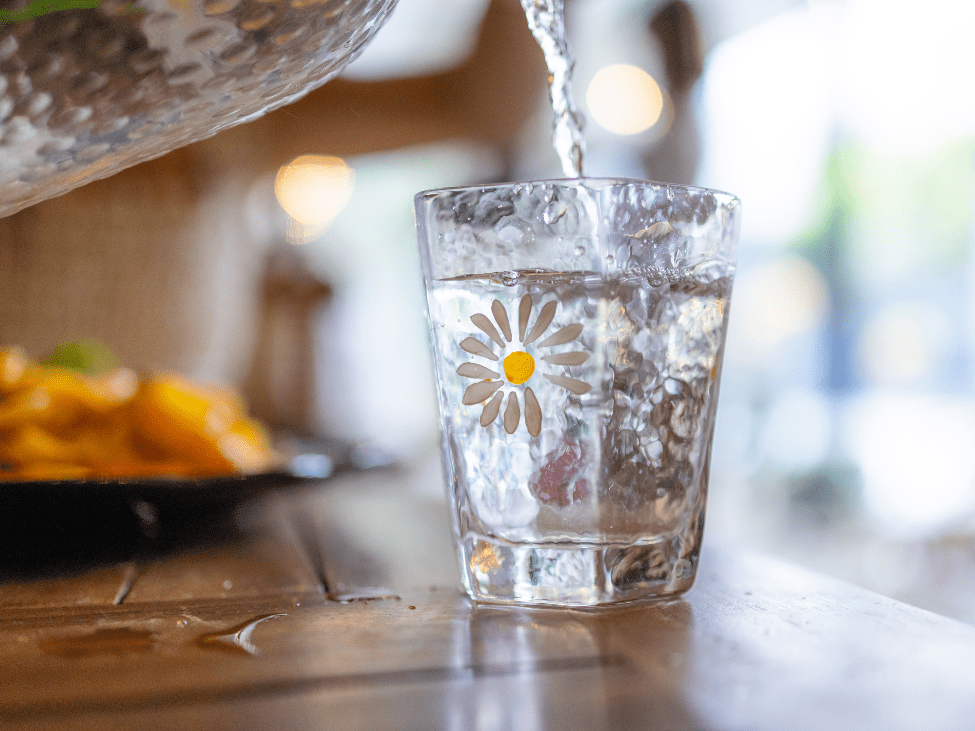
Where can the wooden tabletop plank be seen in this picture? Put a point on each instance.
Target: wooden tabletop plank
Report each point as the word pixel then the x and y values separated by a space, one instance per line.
pixel 756 644
pixel 779 646
pixel 98 586
pixel 374 534
pixel 558 699
pixel 265 557
pixel 435 641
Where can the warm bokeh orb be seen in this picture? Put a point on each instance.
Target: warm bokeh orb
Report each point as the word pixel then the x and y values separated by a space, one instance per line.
pixel 312 189
pixel 624 99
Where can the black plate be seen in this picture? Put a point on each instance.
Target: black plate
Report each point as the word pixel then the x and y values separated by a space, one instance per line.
pixel 153 489
pixel 327 460
pixel 54 525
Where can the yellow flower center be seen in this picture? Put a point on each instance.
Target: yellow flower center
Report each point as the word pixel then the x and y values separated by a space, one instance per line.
pixel 518 367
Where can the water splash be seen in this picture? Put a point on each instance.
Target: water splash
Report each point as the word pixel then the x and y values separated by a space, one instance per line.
pixel 236 639
pixel 546 19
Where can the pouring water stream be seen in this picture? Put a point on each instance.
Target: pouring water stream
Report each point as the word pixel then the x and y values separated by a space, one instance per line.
pixel 546 19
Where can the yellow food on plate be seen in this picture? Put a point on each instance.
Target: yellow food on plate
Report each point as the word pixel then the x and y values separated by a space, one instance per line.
pixel 59 424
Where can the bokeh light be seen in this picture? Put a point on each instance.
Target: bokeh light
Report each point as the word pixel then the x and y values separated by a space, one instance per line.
pixel 776 300
pixel 624 99
pixel 903 342
pixel 914 452
pixel 798 430
pixel 769 126
pixel 313 189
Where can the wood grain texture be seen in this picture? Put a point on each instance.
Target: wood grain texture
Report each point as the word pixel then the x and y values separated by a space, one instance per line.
pixel 266 558
pixel 99 586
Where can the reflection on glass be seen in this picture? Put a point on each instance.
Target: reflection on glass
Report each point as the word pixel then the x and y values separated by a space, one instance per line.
pixel 525 664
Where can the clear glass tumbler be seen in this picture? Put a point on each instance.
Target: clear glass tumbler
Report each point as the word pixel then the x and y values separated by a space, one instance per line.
pixel 577 330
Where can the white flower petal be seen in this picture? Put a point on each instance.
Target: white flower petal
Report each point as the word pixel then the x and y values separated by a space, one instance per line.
pixel 524 310
pixel 477 392
pixel 533 413
pixel 473 370
pixel 491 410
pixel 565 335
pixel 564 359
pixel 501 317
pixel 570 384
pixel 476 347
pixel 488 327
pixel 512 413
pixel 544 320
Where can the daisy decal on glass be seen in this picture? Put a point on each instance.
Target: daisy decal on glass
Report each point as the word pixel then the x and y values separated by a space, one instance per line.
pixel 510 371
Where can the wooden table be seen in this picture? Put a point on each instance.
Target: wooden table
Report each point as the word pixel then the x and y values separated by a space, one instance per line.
pixel 267 623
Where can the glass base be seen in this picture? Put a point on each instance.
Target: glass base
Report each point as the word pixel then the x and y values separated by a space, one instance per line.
pixel 575 574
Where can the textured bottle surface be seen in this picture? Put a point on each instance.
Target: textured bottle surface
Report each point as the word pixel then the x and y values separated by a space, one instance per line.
pixel 87 92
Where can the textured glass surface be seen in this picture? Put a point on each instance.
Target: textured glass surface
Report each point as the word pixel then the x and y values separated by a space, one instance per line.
pixel 85 93
pixel 578 329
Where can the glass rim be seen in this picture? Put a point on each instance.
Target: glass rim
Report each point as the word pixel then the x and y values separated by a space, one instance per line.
pixel 598 182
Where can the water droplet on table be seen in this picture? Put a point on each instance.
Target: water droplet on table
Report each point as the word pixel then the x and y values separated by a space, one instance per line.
pixel 366 595
pixel 235 639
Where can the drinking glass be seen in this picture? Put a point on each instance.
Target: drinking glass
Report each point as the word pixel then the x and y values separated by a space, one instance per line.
pixel 577 329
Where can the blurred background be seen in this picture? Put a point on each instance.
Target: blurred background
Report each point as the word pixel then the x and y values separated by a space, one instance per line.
pixel 279 257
